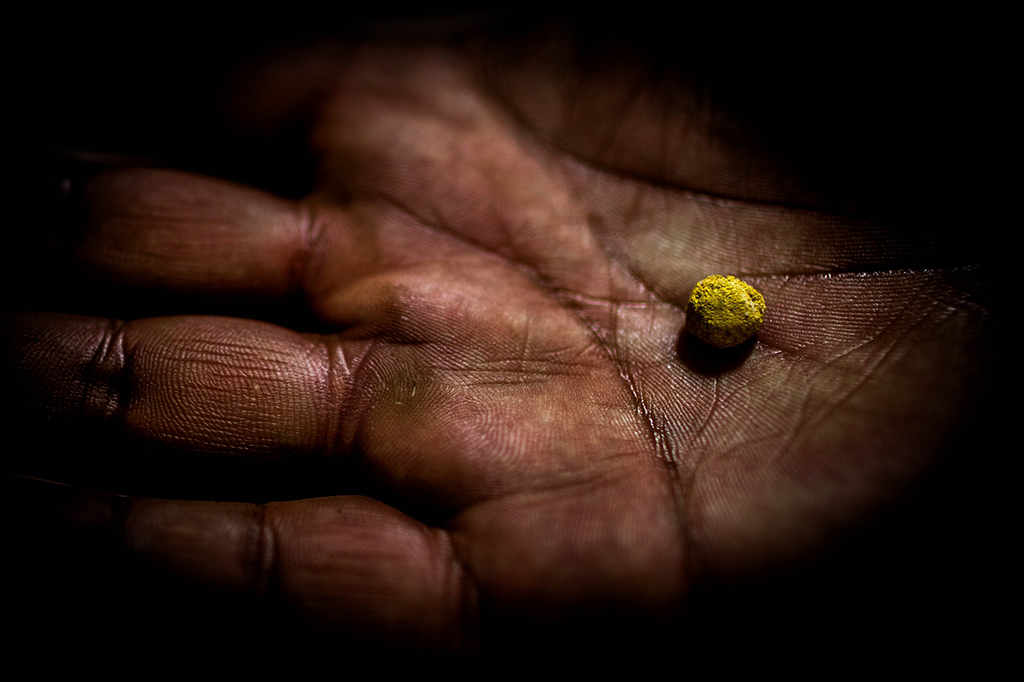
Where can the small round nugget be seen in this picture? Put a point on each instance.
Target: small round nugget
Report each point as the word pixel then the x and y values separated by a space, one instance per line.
pixel 724 311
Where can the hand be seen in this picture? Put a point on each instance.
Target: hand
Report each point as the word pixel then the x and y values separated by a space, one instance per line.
pixel 484 297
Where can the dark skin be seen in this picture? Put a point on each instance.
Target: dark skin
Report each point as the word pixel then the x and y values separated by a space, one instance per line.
pixel 490 275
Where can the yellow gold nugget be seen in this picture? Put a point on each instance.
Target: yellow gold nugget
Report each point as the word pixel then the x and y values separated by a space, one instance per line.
pixel 724 311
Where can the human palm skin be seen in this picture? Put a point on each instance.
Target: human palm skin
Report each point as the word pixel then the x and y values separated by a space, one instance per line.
pixel 496 259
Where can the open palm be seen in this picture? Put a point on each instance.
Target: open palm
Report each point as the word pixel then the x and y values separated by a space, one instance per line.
pixel 496 259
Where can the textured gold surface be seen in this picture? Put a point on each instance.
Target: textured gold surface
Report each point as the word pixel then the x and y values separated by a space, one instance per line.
pixel 724 311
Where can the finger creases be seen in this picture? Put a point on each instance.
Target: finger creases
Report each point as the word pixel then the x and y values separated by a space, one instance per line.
pixel 210 385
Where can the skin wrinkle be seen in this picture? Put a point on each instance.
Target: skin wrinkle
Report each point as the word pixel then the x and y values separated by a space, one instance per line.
pixel 707 420
pixel 659 438
pixel 466 593
pixel 310 228
pixel 799 425
pixel 522 381
pixel 440 227
pixel 125 393
pixel 264 560
pixel 103 382
pixel 822 365
pixel 544 369
pixel 353 405
pixel 871 339
pixel 595 301
pixel 635 208
pixel 332 427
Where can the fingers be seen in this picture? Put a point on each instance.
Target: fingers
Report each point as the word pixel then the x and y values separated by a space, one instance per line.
pixel 593 559
pixel 162 228
pixel 186 233
pixel 146 241
pixel 208 385
pixel 354 564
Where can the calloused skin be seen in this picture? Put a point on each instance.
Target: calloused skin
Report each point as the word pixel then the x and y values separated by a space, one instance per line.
pixel 499 249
